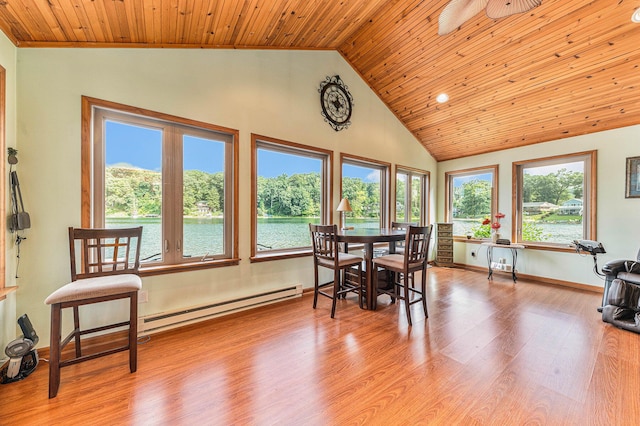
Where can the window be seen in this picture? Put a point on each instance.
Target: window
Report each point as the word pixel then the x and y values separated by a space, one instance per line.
pixel 365 185
pixel 413 194
pixel 173 176
pixel 291 188
pixel 555 199
pixel 471 197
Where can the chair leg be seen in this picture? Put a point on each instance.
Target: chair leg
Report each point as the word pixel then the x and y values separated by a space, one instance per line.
pixel 133 332
pixel 343 283
pixel 392 277
pixel 54 349
pixel 336 289
pixel 362 291
pixel 76 331
pixel 315 288
pixel 423 287
pixel 407 298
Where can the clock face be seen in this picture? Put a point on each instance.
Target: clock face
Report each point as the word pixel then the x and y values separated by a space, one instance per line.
pixel 336 102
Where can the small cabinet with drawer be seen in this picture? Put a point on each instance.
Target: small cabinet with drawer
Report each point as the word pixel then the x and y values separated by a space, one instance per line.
pixel 444 244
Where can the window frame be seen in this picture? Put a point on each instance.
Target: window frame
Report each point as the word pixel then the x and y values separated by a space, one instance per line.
pixel 90 169
pixel 293 148
pixel 589 197
pixel 385 169
pixel 448 193
pixel 425 178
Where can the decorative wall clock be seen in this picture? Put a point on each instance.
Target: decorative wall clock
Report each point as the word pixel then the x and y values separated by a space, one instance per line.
pixel 336 102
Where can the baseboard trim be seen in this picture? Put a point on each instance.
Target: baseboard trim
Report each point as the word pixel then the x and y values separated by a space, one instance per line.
pixel 537 279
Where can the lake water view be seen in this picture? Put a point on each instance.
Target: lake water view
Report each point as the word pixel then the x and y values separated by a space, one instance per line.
pixel 204 235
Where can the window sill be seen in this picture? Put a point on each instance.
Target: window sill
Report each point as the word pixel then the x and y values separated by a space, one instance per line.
pixel 5 291
pixel 470 240
pixel 560 247
pixel 279 255
pixel 184 267
pixel 528 245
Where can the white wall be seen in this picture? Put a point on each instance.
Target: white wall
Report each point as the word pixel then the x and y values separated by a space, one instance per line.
pixel 8 306
pixel 617 217
pixel 273 93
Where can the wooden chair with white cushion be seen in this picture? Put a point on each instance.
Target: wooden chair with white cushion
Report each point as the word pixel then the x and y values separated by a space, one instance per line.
pixel 327 254
pixel 401 226
pixel 403 266
pixel 104 267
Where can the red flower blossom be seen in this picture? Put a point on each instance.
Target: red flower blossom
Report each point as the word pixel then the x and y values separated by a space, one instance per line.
pixel 495 225
pixel 499 215
pixel 486 221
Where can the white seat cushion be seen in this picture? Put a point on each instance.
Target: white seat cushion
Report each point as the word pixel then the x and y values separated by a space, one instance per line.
pixel 344 259
pixel 394 261
pixel 95 287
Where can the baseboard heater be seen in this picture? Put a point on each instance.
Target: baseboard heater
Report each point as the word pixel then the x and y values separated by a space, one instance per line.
pixel 167 320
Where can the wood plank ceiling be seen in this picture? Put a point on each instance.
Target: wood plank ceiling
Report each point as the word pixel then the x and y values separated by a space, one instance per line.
pixel 563 69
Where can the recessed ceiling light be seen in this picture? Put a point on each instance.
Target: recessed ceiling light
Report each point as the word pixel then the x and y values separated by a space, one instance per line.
pixel 442 98
pixel 636 16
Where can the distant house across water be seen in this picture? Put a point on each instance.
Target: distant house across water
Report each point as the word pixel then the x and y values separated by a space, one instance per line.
pixel 571 207
pixel 538 207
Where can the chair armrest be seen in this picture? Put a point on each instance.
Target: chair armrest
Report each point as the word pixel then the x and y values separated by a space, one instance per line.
pixel 613 267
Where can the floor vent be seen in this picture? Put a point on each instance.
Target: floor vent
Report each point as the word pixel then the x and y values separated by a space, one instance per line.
pixel 166 320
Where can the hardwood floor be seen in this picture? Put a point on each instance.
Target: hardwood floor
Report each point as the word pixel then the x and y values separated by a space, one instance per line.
pixel 490 353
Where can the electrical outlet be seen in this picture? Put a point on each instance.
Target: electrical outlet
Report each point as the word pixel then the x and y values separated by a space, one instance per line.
pixel 473 254
pixel 143 296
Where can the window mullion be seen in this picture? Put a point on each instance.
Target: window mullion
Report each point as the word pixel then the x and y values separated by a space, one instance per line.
pixel 171 195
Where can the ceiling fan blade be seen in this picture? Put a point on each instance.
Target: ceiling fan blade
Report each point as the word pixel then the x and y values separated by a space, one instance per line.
pixel 502 8
pixel 457 12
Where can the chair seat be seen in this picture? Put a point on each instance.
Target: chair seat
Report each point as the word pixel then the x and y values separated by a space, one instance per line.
pixel 95 287
pixel 344 259
pixel 394 262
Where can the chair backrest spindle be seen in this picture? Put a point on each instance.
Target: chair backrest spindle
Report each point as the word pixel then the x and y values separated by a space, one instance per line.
pixel 417 244
pixel 323 238
pixel 104 251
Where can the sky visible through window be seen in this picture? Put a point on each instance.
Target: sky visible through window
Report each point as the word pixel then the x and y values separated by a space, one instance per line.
pixel 274 163
pixel 367 174
pixel 141 147
pixel 461 180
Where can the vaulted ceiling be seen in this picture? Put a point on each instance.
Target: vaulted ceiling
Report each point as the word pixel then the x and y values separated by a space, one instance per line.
pixel 564 68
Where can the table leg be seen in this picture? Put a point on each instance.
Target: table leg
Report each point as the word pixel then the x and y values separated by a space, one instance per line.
pixel 490 261
pixel 514 261
pixel 370 282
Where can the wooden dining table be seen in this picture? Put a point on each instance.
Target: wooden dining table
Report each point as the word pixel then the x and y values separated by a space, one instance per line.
pixel 368 237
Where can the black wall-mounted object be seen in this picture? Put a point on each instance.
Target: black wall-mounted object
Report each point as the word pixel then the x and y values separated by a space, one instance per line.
pixel 19 218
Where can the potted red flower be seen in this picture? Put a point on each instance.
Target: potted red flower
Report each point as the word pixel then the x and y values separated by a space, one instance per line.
pixel 495 226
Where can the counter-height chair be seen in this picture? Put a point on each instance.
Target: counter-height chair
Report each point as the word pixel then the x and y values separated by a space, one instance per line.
pixel 326 254
pixel 399 246
pixel 104 267
pixel 401 226
pixel 403 267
